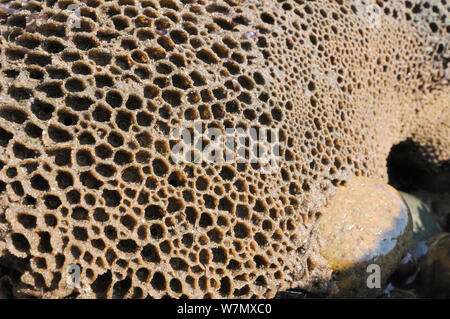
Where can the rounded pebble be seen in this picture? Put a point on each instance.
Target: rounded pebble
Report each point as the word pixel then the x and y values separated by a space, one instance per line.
pixel 367 222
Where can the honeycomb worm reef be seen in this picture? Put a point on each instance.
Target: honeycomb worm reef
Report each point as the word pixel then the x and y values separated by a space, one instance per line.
pixel 86 114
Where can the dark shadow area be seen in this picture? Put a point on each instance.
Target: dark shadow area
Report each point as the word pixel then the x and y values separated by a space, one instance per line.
pixel 11 270
pixel 409 171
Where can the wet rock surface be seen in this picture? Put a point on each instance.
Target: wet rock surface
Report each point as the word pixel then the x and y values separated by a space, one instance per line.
pixel 434 277
pixel 366 223
pixel 425 224
pixel 392 292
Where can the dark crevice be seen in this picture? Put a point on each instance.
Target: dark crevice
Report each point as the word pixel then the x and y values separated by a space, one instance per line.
pixel 409 170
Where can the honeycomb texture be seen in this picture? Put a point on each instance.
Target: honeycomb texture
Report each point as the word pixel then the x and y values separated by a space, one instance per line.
pixel 86 114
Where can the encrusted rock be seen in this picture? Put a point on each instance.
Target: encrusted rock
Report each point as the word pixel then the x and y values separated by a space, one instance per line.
pixel 366 223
